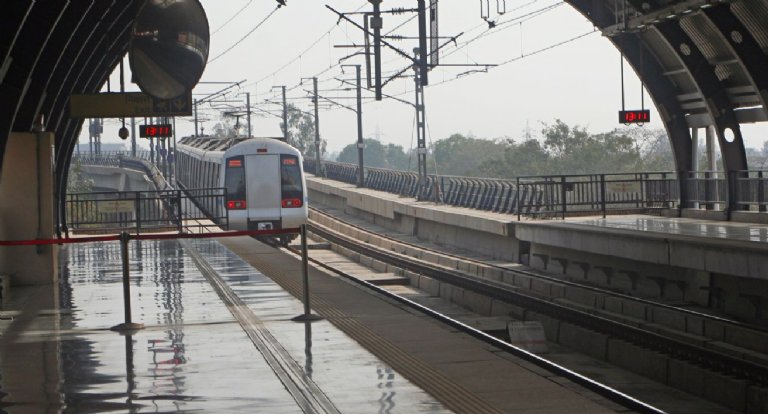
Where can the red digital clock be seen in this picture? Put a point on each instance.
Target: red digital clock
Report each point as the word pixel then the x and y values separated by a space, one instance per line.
pixel 639 116
pixel 155 131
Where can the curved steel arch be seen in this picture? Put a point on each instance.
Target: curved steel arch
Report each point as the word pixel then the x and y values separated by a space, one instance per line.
pixel 674 62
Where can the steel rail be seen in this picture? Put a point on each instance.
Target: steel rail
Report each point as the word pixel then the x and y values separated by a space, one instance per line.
pixel 708 358
pixel 592 385
pixel 594 289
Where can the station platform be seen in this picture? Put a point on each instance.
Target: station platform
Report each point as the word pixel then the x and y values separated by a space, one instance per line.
pixel 720 266
pixel 219 337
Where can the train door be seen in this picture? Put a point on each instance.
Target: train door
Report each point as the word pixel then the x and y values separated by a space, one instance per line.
pixel 263 187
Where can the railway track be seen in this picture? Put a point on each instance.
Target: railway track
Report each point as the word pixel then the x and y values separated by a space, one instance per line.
pixel 719 361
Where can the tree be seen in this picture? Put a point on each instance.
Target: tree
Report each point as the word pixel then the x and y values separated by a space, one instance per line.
pixel 76 180
pixel 374 154
pixel 301 131
pixel 527 158
pixel 575 151
pixel 225 128
pixel 460 155
pixel 397 158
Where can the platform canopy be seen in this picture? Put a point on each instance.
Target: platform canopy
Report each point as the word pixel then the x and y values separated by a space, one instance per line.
pixel 703 62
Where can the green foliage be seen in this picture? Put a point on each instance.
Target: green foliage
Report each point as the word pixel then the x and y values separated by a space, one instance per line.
pixel 560 149
pixel 301 131
pixel 460 155
pixel 226 128
pixel 527 158
pixel 76 180
pixel 376 155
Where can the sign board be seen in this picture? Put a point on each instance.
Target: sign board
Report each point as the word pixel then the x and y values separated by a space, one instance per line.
pixel 115 206
pixel 155 131
pixel 126 105
pixel 623 186
pixel 638 116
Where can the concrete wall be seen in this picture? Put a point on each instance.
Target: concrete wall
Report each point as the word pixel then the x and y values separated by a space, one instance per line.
pixel 118 179
pixel 25 212
pixel 444 225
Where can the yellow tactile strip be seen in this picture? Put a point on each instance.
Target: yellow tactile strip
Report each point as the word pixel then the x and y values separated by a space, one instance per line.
pixel 450 394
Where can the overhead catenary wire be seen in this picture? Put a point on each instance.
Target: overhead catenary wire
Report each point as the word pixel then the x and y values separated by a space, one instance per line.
pixel 506 20
pixel 232 18
pixel 264 20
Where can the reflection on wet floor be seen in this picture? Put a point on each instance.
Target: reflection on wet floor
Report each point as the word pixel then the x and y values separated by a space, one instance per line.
pixel 684 227
pixel 59 355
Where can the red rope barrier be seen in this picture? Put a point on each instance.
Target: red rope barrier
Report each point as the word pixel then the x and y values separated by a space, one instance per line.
pixel 72 240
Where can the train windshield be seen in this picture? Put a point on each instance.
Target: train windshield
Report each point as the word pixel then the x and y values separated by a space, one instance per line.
pixel 234 178
pixel 290 176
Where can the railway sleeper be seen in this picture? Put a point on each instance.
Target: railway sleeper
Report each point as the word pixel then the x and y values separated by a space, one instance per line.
pixel 687 326
pixel 719 388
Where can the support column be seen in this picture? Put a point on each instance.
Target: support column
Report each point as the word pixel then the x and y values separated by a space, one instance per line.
pixel 27 209
pixel 711 166
pixel 694 159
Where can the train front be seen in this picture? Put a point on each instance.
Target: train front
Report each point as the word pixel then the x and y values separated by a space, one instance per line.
pixel 265 185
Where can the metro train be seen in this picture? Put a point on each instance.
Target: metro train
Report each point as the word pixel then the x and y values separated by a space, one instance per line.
pixel 263 179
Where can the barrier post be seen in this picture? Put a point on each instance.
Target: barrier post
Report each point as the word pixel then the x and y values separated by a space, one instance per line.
pixel 603 202
pixel 128 325
pixel 307 316
pixel 563 195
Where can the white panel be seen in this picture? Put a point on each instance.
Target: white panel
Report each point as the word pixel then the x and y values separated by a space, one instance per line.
pixel 263 184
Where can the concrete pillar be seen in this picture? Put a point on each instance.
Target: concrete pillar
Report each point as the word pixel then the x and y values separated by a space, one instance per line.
pixel 27 209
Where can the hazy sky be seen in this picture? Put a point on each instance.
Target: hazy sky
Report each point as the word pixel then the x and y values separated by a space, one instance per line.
pixel 577 81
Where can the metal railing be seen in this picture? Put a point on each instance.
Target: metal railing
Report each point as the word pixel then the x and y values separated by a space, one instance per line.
pixel 563 195
pixel 137 211
pixel 539 196
pixel 164 209
pixel 542 196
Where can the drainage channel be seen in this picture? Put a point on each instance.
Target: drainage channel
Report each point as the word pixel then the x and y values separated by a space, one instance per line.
pixel 309 397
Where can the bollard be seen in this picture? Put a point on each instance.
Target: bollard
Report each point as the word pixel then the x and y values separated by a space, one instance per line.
pixel 307 316
pixel 128 325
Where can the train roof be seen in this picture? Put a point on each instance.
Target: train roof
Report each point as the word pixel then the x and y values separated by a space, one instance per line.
pixel 255 145
pixel 211 143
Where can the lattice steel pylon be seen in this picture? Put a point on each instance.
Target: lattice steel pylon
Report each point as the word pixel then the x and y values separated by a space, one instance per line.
pixel 421 136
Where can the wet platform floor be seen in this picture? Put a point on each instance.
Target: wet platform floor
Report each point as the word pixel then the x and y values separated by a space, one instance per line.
pixel 57 353
pixel 687 227
pixel 219 338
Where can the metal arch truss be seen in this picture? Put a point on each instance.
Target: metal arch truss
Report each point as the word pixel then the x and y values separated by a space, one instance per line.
pixel 53 49
pixel 746 49
pixel 730 35
pixel 660 88
pixel 716 97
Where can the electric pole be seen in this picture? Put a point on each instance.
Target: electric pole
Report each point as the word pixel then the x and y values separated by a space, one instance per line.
pixel 360 144
pixel 133 137
pixel 285 116
pixel 317 129
pixel 195 106
pixel 420 127
pixel 377 23
pixel 248 108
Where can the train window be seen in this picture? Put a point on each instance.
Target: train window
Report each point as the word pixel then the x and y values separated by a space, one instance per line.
pixel 234 179
pixel 290 177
